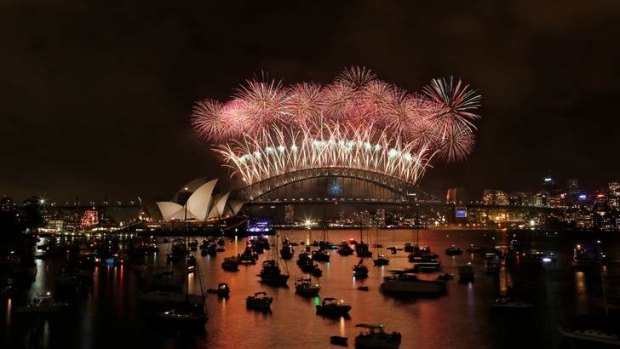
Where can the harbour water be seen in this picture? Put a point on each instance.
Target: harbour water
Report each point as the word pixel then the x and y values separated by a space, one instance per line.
pixel 110 315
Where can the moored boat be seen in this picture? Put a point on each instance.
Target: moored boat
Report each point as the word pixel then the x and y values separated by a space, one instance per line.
pixel 305 287
pixel 222 290
pixel 184 314
pixel 466 273
pixel 230 264
pixel 272 275
pixel 259 301
pixel 376 338
pixel 42 304
pixel 331 307
pixel 380 261
pixel 453 251
pixel 405 283
pixel 360 271
pixel 508 303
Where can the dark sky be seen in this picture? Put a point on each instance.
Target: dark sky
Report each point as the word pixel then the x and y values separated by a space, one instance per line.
pixel 96 95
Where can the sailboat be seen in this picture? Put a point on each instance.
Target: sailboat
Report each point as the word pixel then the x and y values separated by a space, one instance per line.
pixel 361 248
pixel 590 330
pixel 381 259
pixel 187 312
pixel 271 273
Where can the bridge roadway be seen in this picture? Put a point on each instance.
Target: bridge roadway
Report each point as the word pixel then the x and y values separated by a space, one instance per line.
pixel 470 206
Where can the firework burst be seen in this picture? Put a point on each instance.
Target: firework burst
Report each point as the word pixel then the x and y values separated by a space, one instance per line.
pixel 358 121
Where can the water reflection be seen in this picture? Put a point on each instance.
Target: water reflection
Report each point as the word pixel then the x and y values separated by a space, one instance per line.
pixel 460 319
pixel 581 292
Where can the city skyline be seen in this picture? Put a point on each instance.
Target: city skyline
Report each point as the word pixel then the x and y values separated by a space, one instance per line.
pixel 548 83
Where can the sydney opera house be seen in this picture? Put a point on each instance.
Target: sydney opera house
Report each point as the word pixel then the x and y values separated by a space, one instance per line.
pixel 196 201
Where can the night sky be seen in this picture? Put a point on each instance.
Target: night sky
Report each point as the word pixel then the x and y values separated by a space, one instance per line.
pixel 96 95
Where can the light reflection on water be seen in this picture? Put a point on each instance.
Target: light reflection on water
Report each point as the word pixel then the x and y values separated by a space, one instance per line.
pixel 460 319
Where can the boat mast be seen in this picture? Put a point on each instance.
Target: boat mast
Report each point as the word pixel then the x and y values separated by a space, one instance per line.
pixel 600 264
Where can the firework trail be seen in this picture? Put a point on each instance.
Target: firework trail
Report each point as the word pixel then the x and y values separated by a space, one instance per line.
pixel 358 121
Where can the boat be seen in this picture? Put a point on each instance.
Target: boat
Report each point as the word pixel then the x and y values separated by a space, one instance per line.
pixel 259 301
pixel 320 256
pixel 42 304
pixel 272 275
pixel 475 249
pixel 230 263
pixel 184 314
pixel 422 254
pixel 220 241
pixel 582 258
pixel 305 287
pixel 339 340
pixel 344 249
pixel 427 266
pixel 453 251
pixel 376 338
pixel 590 335
pixel 406 283
pixel 248 256
pixel 381 260
pixel 409 247
pixel 222 290
pixel 508 303
pixel 466 273
pixel 287 251
pixel 360 271
pixel 362 250
pixel 331 307
pixel 191 260
pixel 445 277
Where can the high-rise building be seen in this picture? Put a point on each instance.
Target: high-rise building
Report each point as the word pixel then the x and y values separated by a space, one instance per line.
pixel 380 217
pixel 455 196
pixel 495 197
pixel 614 194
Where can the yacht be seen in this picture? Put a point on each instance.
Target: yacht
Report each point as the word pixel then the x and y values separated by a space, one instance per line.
pixel 360 271
pixel 42 304
pixel 427 266
pixel 375 337
pixel 184 314
pixel 230 264
pixel 591 336
pixel 381 260
pixel 287 251
pixel 320 256
pixel 362 250
pixel 405 283
pixel 331 307
pixel 508 303
pixel 271 274
pixel 344 249
pixel 222 290
pixel 466 273
pixel 305 287
pixel 259 301
pixel 453 251
pixel 248 256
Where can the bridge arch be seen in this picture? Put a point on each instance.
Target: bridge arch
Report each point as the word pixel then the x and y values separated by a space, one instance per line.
pixel 332 183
